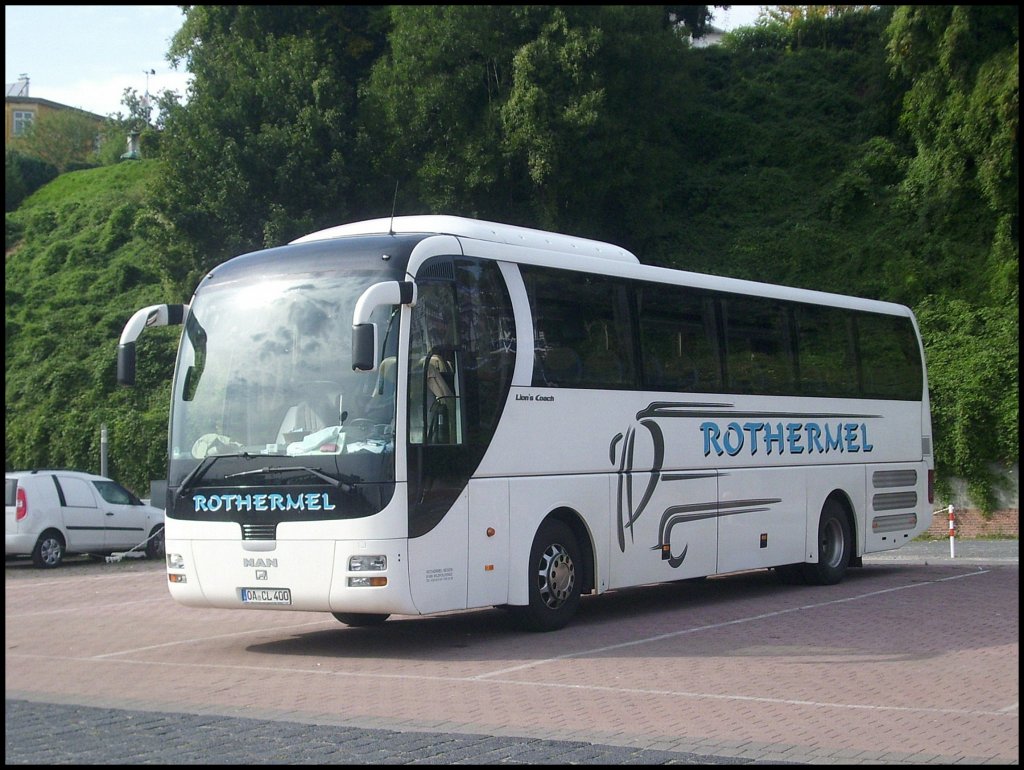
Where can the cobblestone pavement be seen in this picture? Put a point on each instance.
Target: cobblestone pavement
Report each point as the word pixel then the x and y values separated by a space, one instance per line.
pixel 738 670
pixel 49 734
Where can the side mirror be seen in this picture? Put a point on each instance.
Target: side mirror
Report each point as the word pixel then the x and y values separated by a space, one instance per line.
pixel 364 332
pixel 126 364
pixel 154 315
pixel 364 347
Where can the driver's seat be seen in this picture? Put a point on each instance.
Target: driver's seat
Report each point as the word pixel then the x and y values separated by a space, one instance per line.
pixel 300 420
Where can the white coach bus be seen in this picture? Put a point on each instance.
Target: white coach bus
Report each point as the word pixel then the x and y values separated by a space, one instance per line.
pixel 431 413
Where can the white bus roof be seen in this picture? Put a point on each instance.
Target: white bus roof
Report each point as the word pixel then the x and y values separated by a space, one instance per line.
pixel 619 261
pixel 479 230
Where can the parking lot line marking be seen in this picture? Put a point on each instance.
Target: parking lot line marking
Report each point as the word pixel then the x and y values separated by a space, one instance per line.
pixel 711 626
pixel 177 642
pixel 263 670
pixel 62 581
pixel 91 609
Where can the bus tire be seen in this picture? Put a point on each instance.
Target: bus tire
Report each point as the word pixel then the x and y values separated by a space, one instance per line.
pixel 357 619
pixel 554 574
pixel 835 546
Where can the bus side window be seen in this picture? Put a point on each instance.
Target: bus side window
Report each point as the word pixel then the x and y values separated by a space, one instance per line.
pixel 558 363
pixel 678 339
pixel 890 360
pixel 434 367
pixel 583 335
pixel 758 346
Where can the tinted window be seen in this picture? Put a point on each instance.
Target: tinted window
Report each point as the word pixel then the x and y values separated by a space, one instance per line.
pixel 462 349
pixel 582 331
pixel 827 360
pixel 488 333
pixel 678 340
pixel 889 356
pixel 697 340
pixel 759 355
pixel 435 362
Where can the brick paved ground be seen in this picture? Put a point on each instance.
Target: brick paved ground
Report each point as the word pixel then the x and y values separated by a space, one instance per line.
pixel 904 662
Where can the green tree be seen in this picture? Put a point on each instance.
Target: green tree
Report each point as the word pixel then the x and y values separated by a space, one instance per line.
pixel 975 387
pixel 963 114
pixel 83 265
pixel 793 14
pixel 960 201
pixel 23 175
pixel 264 150
pixel 139 120
pixel 553 116
pixel 779 156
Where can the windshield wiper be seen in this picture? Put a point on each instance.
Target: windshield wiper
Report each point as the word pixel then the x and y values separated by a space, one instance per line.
pixel 201 468
pixel 291 468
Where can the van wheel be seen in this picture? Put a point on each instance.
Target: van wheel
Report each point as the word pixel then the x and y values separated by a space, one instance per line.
pixel 835 546
pixel 360 618
pixel 155 546
pixel 49 550
pixel 554 579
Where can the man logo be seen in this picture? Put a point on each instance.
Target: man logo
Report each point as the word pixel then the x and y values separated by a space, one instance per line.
pixel 261 574
pixel 259 562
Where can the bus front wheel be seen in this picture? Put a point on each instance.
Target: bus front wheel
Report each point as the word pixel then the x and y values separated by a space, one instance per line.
pixel 554 575
pixel 835 546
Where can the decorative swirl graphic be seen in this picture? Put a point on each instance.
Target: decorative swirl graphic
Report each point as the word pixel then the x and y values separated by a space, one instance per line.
pixel 625 507
pixel 622 451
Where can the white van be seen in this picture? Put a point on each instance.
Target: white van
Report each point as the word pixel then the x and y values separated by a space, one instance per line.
pixel 49 514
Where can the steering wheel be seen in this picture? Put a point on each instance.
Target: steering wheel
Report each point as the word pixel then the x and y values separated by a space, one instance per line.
pixel 360 425
pixel 214 444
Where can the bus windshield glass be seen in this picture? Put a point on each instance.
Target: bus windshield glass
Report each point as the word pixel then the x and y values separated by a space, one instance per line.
pixel 264 371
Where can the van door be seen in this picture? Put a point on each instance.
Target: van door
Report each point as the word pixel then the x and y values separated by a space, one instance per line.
pixel 127 520
pixel 84 521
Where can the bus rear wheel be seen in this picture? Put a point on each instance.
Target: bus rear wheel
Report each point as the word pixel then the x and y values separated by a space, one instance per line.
pixel 360 618
pixel 835 546
pixel 554 575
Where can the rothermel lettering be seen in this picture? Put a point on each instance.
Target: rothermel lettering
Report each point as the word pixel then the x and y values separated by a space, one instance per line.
pixel 309 501
pixel 784 438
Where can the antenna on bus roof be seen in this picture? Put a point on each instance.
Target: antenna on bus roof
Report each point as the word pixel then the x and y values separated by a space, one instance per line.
pixel 394 203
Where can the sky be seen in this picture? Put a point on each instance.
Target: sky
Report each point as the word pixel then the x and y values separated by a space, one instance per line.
pixel 86 55
pixel 736 16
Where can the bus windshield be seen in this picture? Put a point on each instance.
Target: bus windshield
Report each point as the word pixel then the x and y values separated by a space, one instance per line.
pixel 264 371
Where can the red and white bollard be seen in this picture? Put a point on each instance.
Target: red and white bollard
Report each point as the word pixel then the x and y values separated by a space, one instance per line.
pixel 952 534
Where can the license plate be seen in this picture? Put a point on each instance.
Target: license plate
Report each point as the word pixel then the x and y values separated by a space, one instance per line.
pixel 266 595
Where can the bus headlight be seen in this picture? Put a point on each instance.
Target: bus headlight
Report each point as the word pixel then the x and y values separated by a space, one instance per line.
pixel 376 563
pixel 367 563
pixel 175 561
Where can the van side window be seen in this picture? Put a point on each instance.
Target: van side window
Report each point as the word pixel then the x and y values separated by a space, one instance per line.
pixel 76 492
pixel 115 494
